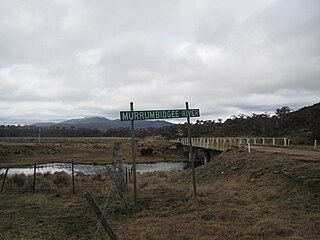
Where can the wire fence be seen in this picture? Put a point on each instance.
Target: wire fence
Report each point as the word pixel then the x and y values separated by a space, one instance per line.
pixel 36 180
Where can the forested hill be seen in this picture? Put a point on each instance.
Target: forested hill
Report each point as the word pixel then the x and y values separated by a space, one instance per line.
pixel 301 123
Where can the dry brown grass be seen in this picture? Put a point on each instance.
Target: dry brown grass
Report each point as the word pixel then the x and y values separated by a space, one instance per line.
pixel 257 196
pixel 26 151
pixel 57 184
pixel 240 196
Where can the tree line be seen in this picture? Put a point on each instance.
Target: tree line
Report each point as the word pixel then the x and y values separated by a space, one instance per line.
pixel 305 121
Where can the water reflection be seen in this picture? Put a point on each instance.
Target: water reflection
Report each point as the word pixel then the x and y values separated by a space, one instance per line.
pixel 91 169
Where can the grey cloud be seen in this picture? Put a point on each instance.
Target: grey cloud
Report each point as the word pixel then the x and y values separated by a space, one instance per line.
pixel 70 59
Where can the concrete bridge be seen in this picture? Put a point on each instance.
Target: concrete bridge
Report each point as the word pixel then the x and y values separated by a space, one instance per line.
pixel 207 148
pixel 223 144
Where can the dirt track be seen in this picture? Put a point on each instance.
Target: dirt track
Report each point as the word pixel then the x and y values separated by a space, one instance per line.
pixel 312 155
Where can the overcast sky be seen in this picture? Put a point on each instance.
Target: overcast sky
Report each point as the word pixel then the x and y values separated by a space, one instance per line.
pixel 62 59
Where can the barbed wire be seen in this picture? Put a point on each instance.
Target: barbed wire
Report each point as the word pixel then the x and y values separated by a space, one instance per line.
pixel 98 225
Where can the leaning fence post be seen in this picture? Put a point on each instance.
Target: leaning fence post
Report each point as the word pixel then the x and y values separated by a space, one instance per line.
pixel 315 145
pixel 100 216
pixel 34 178
pixel 4 179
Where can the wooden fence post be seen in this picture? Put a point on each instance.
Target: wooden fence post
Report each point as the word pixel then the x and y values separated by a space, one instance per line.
pixel 126 175
pixel 120 192
pixel 72 170
pixel 118 166
pixel 34 178
pixel 4 179
pixel 100 216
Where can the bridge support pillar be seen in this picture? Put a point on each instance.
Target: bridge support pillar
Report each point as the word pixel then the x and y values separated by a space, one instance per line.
pixel 207 157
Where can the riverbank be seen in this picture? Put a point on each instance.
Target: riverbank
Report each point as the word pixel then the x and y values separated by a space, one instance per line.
pixel 51 168
pixel 15 152
pixel 239 196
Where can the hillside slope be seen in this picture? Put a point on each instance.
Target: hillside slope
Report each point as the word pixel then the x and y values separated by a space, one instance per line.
pixel 301 124
pixel 239 196
pixel 262 195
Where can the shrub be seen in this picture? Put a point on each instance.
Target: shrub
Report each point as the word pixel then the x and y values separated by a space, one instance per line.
pixel 97 177
pixel 61 179
pixel 316 132
pixel 18 180
pixel 146 151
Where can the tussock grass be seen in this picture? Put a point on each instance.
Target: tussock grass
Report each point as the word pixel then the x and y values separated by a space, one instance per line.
pixel 57 183
pixel 239 196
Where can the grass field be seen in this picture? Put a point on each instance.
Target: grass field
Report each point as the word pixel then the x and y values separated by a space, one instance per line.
pixel 239 196
pixel 27 151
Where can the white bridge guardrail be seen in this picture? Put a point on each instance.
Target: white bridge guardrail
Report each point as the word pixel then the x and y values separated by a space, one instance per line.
pixel 223 144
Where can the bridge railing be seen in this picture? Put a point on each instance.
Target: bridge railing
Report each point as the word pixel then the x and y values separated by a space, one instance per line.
pixel 230 143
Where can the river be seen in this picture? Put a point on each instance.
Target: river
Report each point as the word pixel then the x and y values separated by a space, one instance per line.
pixel 91 169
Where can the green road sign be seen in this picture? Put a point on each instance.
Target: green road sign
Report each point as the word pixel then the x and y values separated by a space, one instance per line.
pixel 158 114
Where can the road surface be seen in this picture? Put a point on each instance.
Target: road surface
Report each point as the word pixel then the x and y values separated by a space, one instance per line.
pixel 293 152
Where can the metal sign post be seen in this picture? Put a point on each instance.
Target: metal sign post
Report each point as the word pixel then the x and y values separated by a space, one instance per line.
pixel 158 114
pixel 191 157
pixel 133 149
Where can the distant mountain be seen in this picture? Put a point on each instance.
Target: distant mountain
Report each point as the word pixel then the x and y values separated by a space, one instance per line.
pixel 104 123
pixel 44 124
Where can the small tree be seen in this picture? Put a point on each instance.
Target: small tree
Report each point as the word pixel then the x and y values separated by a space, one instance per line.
pixel 282 111
pixel 316 132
